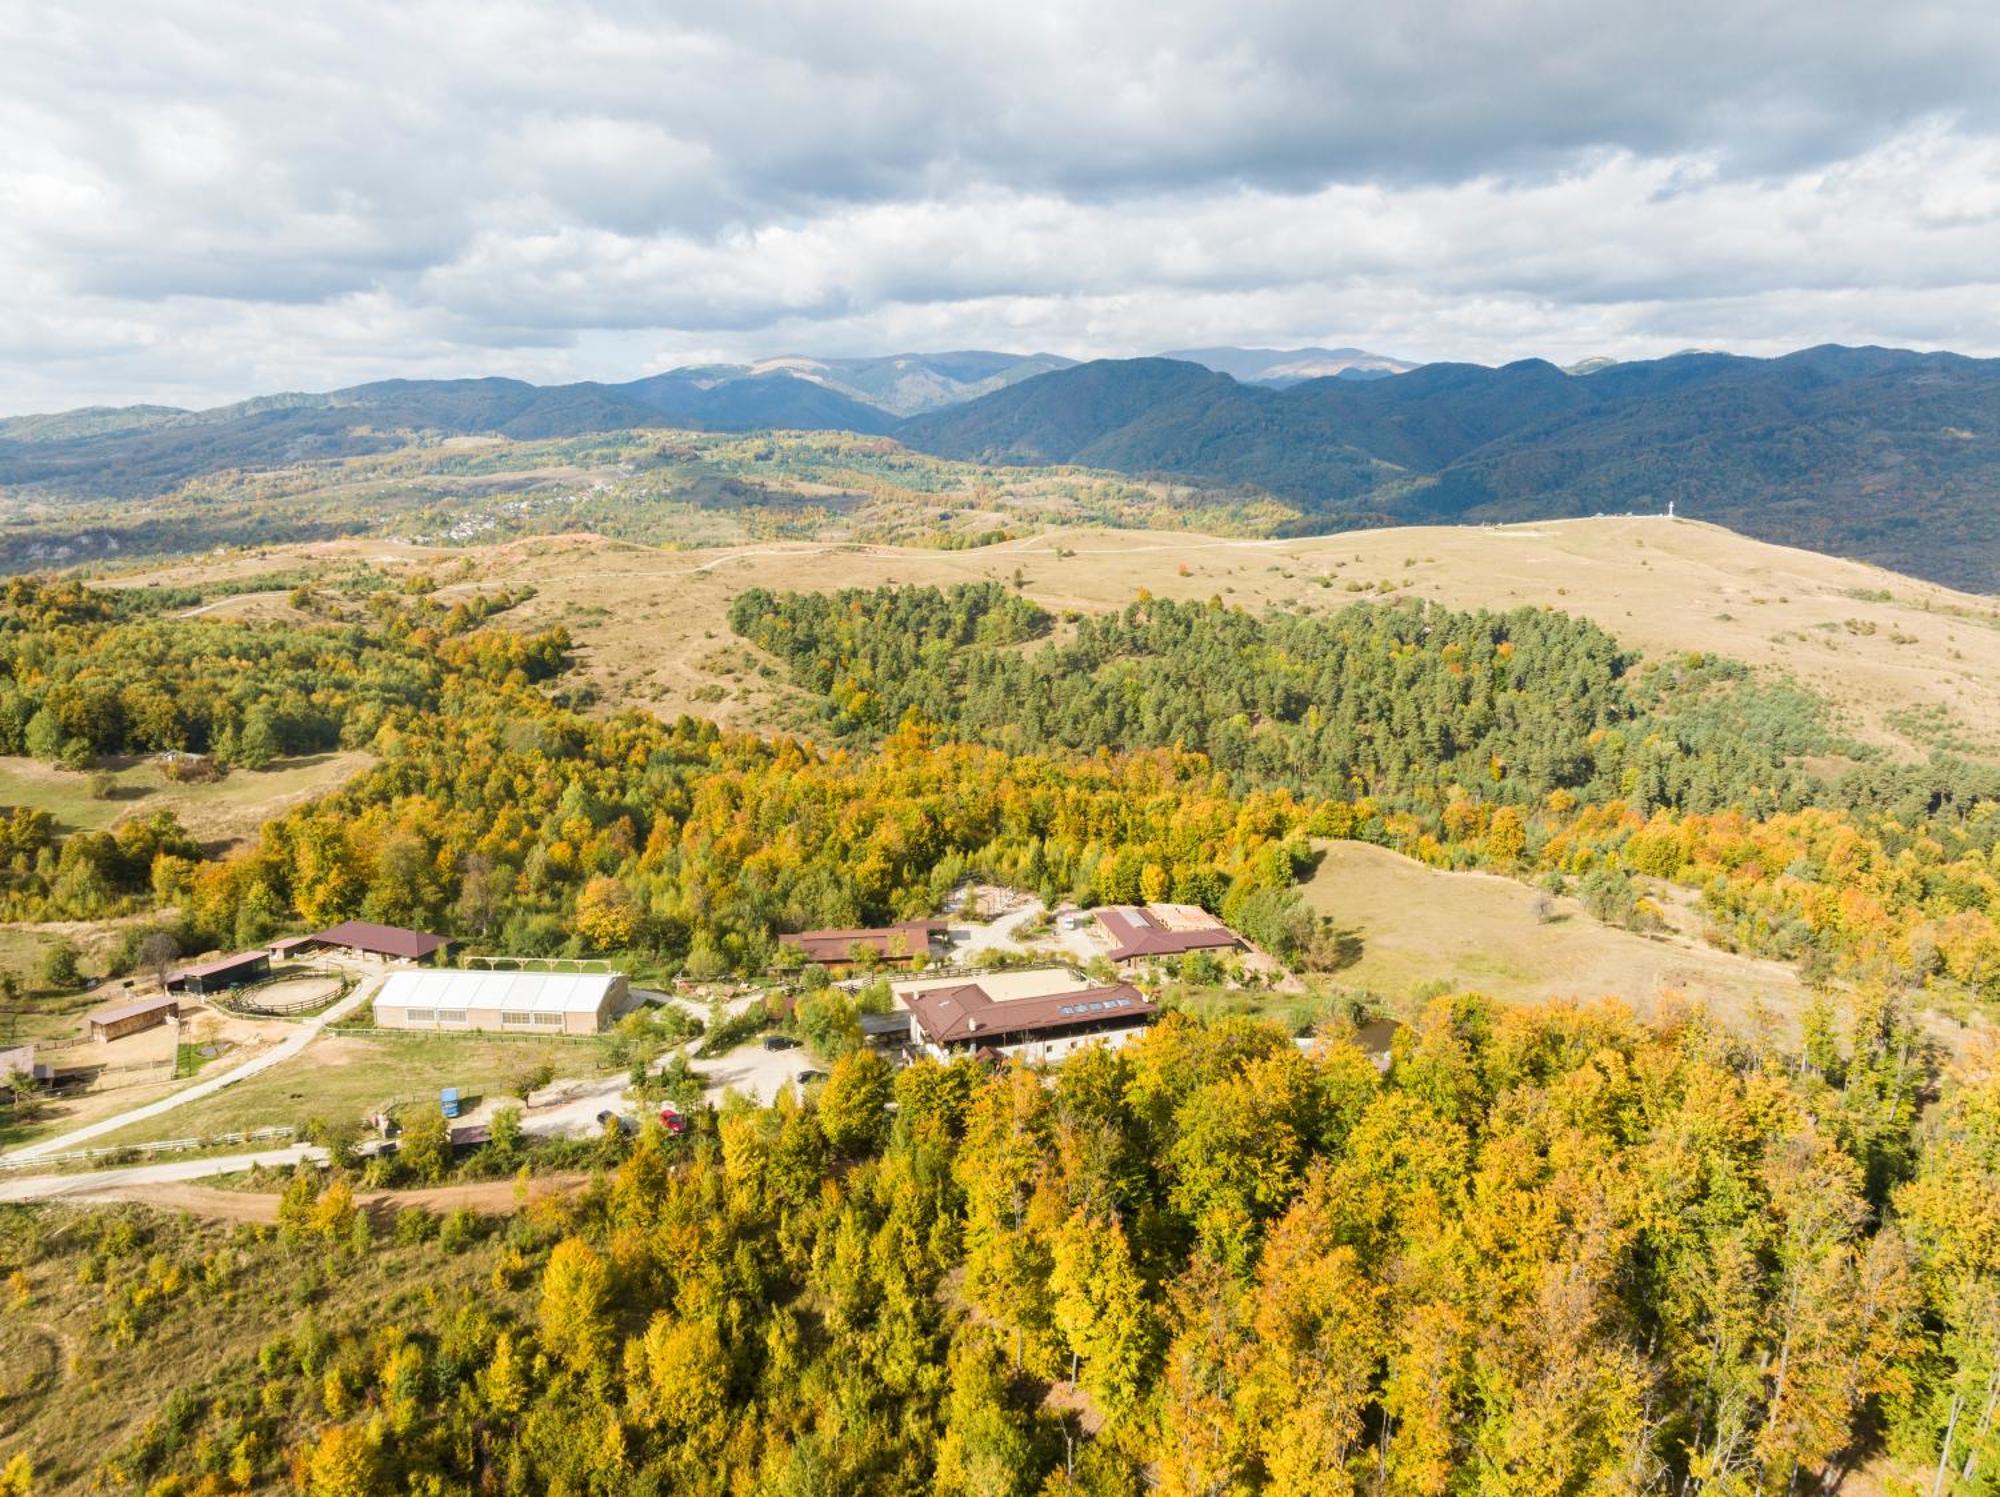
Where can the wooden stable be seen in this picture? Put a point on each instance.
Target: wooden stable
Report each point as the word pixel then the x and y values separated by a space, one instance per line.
pixel 119 1020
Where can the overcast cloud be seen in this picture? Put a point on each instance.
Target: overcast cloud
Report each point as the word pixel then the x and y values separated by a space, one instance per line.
pixel 201 201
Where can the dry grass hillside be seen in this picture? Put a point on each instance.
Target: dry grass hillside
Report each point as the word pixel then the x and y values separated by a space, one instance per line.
pixel 1499 941
pixel 1907 663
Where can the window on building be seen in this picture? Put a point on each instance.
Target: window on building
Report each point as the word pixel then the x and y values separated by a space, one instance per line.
pixel 516 1016
pixel 420 1015
pixel 549 1021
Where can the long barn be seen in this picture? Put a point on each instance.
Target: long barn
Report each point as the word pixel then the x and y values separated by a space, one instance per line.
pixel 511 1002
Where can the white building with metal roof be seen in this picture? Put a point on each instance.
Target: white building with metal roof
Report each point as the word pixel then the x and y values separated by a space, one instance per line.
pixel 513 1002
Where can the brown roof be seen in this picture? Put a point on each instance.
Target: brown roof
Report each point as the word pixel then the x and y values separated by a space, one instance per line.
pixel 384 940
pixel 1136 933
pixel 948 1014
pixel 220 964
pixel 132 1010
pixel 293 943
pixel 838 945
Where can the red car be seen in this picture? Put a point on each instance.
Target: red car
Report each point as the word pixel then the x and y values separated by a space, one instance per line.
pixel 672 1121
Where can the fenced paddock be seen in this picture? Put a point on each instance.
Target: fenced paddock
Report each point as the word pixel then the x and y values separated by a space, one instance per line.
pixel 286 995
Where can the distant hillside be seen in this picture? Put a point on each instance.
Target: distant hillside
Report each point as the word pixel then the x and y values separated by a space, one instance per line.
pixel 1882 454
pixel 780 401
pixel 1289 366
pixel 150 450
pixel 139 451
pixel 906 384
pixel 903 384
pixel 138 457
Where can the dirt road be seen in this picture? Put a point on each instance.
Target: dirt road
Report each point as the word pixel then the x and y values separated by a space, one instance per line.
pixel 173 1187
pixel 93 1185
pixel 487 1197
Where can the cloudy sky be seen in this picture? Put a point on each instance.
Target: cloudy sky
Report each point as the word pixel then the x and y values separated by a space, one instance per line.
pixel 201 200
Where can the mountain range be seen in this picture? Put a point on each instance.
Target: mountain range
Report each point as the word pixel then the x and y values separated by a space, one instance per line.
pixel 142 450
pixel 1290 366
pixel 1883 454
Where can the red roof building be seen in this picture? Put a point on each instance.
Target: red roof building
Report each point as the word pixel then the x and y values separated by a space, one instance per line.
pixel 895 944
pixel 1139 932
pixel 966 1018
pixel 368 939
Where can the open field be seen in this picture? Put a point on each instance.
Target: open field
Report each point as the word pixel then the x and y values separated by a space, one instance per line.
pixel 345 1076
pixel 1907 664
pixel 226 810
pixel 1417 926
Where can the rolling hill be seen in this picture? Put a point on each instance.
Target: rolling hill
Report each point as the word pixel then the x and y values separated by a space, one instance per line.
pixel 1882 454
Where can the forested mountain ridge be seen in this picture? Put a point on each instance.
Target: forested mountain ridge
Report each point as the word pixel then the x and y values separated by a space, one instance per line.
pixel 1882 454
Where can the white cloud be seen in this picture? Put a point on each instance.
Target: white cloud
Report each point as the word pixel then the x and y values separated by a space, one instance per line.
pixel 206 198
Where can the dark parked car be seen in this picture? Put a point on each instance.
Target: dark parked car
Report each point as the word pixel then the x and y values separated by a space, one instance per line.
pixel 810 1076
pixel 625 1124
pixel 780 1042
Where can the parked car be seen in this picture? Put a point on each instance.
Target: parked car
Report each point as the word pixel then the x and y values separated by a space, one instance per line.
pixel 775 1041
pixel 672 1120
pixel 625 1124
pixel 806 1077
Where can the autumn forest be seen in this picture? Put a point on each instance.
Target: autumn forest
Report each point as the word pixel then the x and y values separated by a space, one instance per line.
pixel 1547 1250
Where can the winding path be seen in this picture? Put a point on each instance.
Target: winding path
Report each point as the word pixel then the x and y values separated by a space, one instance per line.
pixel 106 1185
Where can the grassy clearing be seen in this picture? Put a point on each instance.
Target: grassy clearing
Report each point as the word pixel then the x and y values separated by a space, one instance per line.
pixel 82 1389
pixel 1416 929
pixel 1298 1012
pixel 226 810
pixel 341 1076
pixel 44 1016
